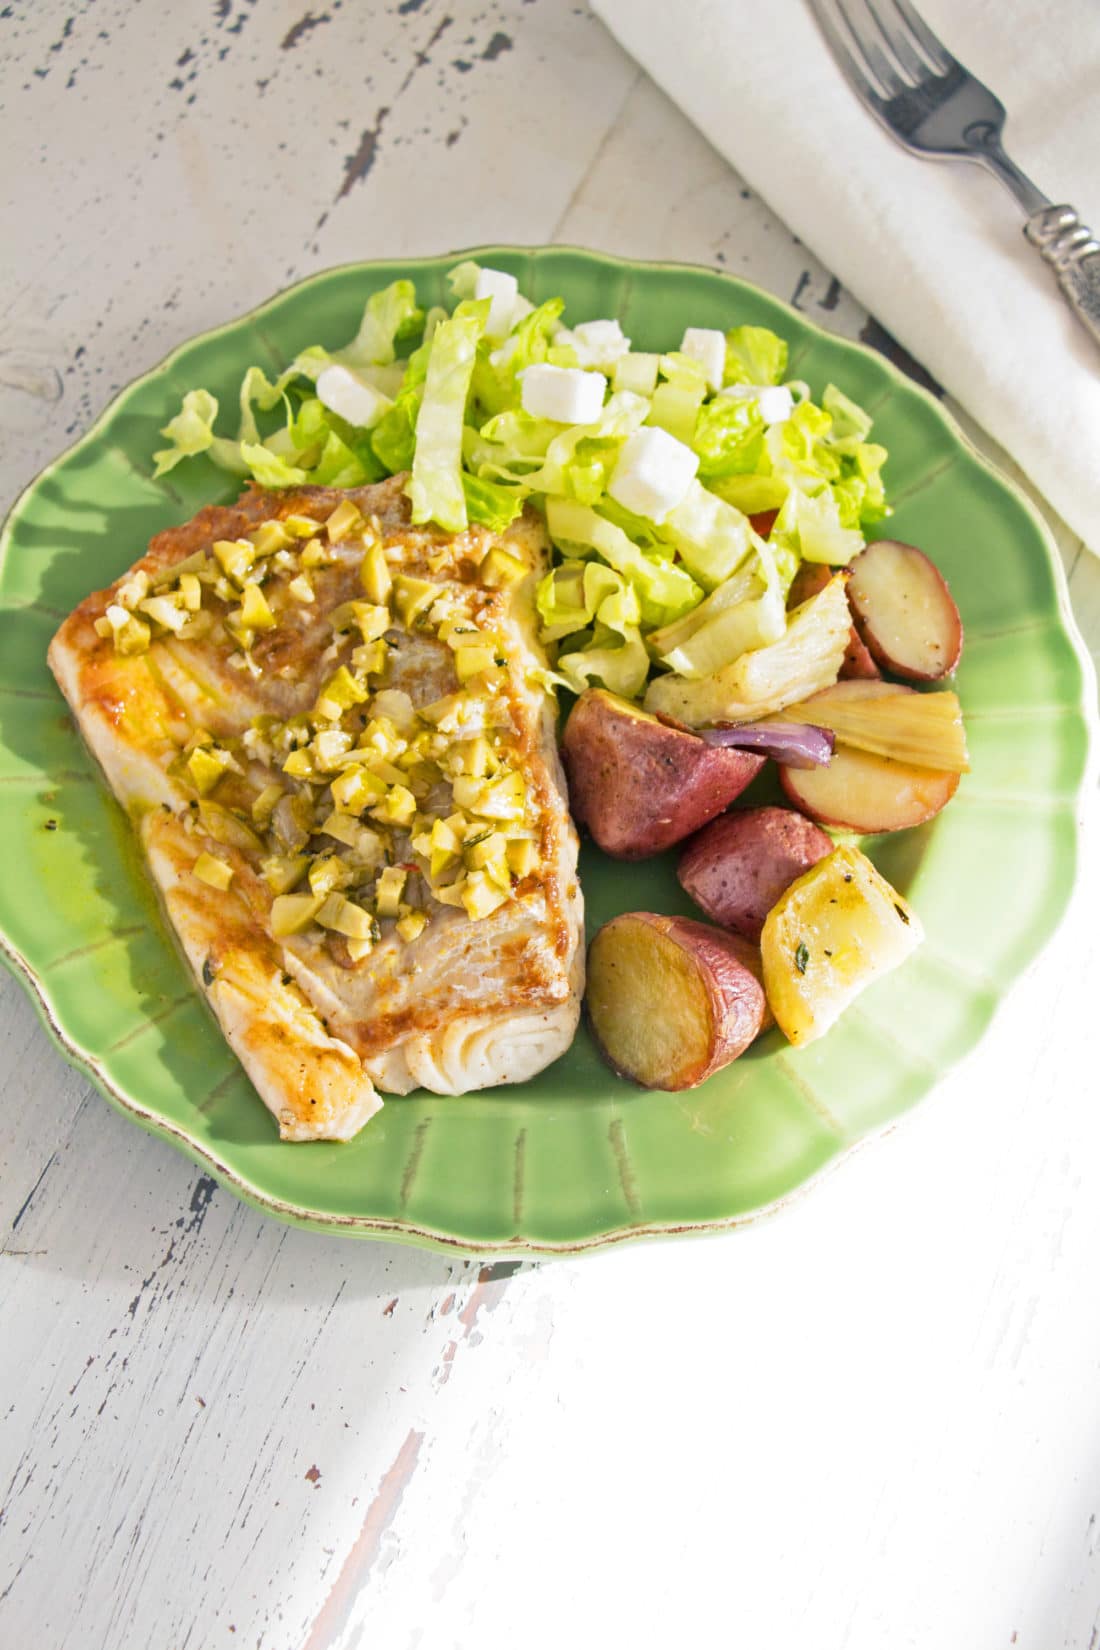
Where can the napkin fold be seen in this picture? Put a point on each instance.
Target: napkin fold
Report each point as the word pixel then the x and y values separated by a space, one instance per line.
pixel 934 250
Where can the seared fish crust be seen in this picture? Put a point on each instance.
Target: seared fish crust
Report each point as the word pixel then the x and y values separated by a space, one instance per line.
pixel 333 735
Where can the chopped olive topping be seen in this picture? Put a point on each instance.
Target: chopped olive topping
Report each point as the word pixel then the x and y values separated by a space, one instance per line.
pixel 366 809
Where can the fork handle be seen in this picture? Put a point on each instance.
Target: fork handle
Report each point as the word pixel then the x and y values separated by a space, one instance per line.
pixel 1073 253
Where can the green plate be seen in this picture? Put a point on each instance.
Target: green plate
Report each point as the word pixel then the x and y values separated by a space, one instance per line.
pixel 576 1158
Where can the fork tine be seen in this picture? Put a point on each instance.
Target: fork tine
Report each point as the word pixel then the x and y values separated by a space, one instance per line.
pixel 839 41
pixel 899 42
pixel 874 60
pixel 836 26
pixel 930 48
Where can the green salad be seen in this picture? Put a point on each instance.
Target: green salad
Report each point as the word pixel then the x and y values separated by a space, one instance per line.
pixel 681 491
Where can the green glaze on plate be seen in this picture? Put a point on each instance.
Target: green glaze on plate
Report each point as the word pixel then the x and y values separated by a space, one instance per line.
pixel 576 1158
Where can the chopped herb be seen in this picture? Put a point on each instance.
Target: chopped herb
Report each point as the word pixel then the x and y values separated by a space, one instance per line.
pixel 801 958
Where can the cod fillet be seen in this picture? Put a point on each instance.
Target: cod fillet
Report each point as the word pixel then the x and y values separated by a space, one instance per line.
pixel 333 736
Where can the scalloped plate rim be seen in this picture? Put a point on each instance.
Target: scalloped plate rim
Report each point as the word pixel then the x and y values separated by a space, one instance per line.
pixel 426 1236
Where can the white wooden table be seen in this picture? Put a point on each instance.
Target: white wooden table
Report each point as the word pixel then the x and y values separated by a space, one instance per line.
pixel 872 1421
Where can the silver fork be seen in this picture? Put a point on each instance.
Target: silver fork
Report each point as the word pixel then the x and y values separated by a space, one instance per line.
pixel 934 107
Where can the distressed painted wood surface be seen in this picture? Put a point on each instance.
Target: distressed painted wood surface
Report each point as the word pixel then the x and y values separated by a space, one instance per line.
pixel 873 1420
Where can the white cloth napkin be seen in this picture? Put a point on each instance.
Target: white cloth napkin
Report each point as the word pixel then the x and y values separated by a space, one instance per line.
pixel 933 249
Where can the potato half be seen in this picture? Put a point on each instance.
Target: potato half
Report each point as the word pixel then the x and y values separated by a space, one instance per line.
pixel 670 1001
pixel 834 931
pixel 639 785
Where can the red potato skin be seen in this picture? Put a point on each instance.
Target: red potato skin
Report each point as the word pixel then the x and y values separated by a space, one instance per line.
pixel 763 522
pixel 737 867
pixel 736 996
pixel 858 664
pixel 810 580
pixel 849 816
pixel 749 954
pixel 639 786
pixel 864 614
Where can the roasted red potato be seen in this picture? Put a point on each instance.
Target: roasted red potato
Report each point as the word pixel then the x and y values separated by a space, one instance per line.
pixel 905 612
pixel 736 867
pixel 669 1000
pixel 811 578
pixel 639 785
pixel 763 522
pixel 748 953
pixel 866 793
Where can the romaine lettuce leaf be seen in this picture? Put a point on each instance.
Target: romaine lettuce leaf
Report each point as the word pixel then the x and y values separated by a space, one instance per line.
pixel 664 590
pixel 729 437
pixel 676 400
pixel 257 390
pixel 755 356
pixel 810 524
pixel 851 424
pixel 492 504
pixel 435 487
pixel 712 537
pixel 618 661
pixel 496 387
pixel 393 438
pixel 751 494
pixel 578 595
pixel 192 432
pixel 390 317
pixel 268 469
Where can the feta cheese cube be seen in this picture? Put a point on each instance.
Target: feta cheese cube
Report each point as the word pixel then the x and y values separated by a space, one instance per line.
pixel 597 343
pixel 775 401
pixel 503 290
pixel 346 394
pixel 568 395
pixel 707 346
pixel 653 473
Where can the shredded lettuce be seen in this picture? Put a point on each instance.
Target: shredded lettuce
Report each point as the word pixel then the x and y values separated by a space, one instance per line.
pixel 268 469
pixel 435 487
pixel 810 524
pixel 664 590
pixel 675 403
pixel 712 537
pixel 751 494
pixel 491 503
pixel 729 437
pixel 691 596
pixel 755 356
pixel 498 366
pixel 192 432
pixel 390 317
pixel 580 594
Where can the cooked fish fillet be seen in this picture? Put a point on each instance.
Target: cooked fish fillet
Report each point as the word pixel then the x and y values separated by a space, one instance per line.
pixel 331 732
